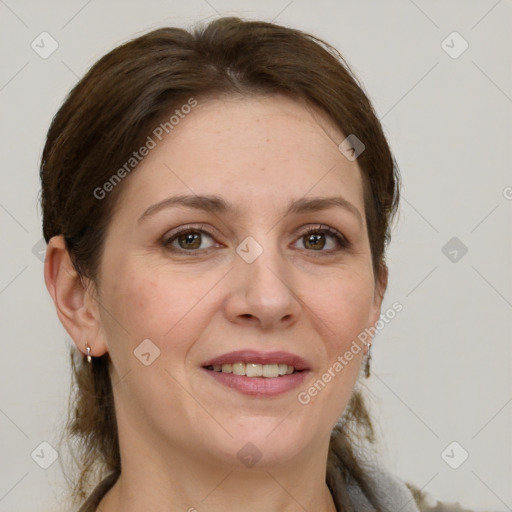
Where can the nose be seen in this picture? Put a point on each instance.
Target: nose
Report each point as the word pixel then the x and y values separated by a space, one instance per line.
pixel 263 292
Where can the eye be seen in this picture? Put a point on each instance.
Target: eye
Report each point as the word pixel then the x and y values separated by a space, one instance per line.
pixel 188 240
pixel 323 239
pixel 193 240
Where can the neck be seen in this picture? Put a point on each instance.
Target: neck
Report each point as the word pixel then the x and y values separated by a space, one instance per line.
pixel 168 480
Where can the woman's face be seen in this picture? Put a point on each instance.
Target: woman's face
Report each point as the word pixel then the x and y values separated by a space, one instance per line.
pixel 231 268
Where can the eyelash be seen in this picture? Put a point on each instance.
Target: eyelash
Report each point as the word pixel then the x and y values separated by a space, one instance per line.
pixel 341 240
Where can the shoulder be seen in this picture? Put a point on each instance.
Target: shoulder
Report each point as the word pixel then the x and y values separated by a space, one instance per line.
pixel 392 493
pixel 425 504
pixel 100 490
pixel 367 485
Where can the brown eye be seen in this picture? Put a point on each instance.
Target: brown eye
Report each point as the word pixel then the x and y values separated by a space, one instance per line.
pixel 189 240
pixel 323 239
pixel 314 241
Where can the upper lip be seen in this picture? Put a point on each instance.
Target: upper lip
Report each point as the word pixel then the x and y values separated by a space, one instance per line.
pixel 253 356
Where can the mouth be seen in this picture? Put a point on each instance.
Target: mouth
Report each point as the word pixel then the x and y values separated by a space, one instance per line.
pixel 257 373
pixel 268 371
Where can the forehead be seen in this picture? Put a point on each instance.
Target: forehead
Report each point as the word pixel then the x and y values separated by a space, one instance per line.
pixel 261 150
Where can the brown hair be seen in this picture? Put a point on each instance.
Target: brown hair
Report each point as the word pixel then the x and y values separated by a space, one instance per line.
pixel 111 112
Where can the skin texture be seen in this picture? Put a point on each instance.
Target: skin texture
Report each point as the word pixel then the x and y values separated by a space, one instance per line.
pixel 180 430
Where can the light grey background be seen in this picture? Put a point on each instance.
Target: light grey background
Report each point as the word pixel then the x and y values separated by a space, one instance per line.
pixel 442 367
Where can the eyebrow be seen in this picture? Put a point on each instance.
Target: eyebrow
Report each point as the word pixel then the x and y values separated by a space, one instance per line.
pixel 216 204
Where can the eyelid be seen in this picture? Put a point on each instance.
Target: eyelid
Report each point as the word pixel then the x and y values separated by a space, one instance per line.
pixel 174 233
pixel 342 240
pixel 179 229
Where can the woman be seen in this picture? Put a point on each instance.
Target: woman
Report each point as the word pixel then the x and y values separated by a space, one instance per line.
pixel 217 206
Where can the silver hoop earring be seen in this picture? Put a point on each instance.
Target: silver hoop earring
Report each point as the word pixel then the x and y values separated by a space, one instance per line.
pixel 89 358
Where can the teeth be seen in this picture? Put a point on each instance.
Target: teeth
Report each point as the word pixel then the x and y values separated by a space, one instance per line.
pixel 282 369
pixel 239 369
pixel 271 370
pixel 254 370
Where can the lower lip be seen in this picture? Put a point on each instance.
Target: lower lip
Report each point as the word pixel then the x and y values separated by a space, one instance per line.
pixel 262 386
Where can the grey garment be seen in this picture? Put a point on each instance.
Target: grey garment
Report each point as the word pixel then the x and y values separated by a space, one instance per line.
pixel 392 494
pixel 96 496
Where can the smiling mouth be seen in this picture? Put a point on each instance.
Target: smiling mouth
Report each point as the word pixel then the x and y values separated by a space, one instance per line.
pixel 269 371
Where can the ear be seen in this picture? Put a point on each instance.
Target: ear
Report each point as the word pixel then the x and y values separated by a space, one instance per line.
pixel 381 284
pixel 74 298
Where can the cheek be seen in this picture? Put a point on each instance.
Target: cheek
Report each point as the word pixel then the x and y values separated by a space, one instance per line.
pixel 343 305
pixel 342 310
pixel 145 303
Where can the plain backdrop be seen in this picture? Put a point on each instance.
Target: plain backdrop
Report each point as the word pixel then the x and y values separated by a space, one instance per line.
pixel 442 367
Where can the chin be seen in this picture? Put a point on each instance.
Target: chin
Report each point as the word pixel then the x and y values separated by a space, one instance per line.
pixel 262 443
